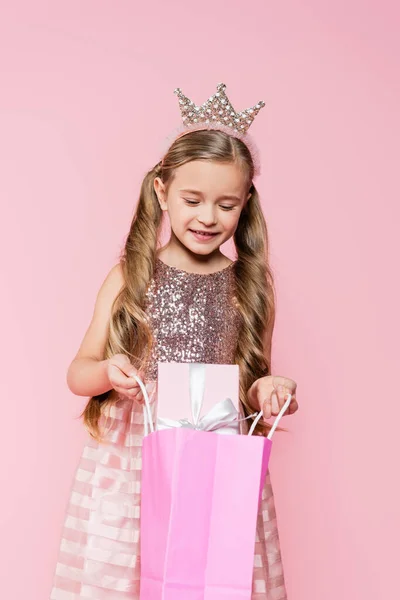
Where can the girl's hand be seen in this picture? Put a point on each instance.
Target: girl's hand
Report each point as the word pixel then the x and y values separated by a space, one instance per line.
pixel 270 393
pixel 120 372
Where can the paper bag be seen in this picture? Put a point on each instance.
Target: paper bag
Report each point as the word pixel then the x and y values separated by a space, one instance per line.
pixel 199 505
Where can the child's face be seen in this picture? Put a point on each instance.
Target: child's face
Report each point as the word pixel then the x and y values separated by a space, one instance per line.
pixel 204 196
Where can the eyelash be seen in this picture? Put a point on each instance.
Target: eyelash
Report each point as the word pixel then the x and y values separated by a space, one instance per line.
pixel 194 203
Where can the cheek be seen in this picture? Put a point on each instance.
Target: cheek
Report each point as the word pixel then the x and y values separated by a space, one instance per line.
pixel 230 219
pixel 180 214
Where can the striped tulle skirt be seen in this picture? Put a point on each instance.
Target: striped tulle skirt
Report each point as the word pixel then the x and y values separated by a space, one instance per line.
pixel 99 556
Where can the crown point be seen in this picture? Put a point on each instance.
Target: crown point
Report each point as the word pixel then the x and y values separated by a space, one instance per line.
pixel 217 109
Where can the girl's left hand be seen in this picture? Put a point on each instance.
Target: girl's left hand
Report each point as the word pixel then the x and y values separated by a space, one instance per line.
pixel 270 394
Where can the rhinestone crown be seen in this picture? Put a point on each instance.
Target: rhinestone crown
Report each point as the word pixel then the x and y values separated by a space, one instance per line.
pixel 217 110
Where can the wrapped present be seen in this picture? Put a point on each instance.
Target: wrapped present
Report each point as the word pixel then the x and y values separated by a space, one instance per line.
pixel 199 504
pixel 198 395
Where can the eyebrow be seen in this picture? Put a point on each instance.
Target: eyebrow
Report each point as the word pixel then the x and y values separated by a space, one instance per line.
pixel 223 197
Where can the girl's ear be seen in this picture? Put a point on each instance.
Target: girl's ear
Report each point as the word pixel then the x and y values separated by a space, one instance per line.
pixel 249 195
pixel 159 189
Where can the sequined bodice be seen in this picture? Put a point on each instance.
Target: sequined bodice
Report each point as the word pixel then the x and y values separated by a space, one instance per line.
pixel 194 317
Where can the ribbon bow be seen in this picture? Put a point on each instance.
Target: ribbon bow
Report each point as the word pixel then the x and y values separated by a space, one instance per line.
pixel 222 418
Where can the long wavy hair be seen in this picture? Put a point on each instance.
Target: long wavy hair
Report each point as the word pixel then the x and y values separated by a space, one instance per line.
pixel 129 330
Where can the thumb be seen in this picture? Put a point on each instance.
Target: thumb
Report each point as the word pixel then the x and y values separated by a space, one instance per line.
pixel 122 362
pixel 133 371
pixel 252 396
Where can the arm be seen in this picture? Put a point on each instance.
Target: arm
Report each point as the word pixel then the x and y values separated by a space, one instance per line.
pixel 88 373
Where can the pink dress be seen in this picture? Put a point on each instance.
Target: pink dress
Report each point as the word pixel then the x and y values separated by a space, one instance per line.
pixel 194 319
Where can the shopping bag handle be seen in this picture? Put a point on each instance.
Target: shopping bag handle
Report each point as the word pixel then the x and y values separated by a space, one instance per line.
pixel 147 416
pixel 278 418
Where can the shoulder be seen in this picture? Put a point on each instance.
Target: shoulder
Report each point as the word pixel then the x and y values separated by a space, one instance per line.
pixel 115 276
pixel 112 284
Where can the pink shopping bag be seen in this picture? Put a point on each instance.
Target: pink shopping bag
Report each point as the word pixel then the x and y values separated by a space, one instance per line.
pixel 199 504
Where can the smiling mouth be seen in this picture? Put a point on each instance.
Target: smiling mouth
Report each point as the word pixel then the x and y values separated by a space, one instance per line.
pixel 203 232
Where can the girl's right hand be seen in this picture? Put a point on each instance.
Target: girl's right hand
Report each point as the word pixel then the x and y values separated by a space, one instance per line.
pixel 120 372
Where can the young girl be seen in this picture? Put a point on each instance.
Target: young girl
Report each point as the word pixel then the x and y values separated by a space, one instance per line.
pixel 184 302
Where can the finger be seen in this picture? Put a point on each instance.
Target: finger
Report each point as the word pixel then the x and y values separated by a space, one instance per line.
pixel 267 409
pixel 139 375
pixel 282 396
pixel 290 385
pixel 138 392
pixel 119 379
pixel 275 403
pixel 293 406
pixel 285 382
pixel 125 365
pixel 133 395
pixel 123 362
pixel 139 398
pixel 252 394
pixel 132 385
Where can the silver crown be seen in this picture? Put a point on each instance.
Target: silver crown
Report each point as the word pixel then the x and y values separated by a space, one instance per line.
pixel 217 110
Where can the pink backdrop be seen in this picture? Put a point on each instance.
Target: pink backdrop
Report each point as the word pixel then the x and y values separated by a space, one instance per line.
pixel 86 101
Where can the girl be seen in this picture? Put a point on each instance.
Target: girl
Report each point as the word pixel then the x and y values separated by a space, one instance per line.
pixel 184 302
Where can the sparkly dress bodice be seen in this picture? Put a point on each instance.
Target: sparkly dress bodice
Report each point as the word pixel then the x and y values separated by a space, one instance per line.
pixel 194 317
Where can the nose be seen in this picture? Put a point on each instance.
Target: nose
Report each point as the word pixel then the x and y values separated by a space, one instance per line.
pixel 207 216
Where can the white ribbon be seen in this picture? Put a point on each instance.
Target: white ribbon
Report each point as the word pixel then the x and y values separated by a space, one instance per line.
pixel 223 417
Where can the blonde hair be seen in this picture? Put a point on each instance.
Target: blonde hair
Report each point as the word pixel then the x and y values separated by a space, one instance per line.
pixel 129 331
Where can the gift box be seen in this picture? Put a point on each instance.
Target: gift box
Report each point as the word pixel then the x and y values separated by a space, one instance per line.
pixel 202 396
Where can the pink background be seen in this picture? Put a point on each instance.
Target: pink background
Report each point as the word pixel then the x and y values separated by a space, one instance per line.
pixel 86 101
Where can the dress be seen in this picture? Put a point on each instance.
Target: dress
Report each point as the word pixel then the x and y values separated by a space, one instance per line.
pixel 193 319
